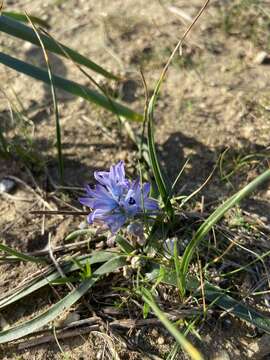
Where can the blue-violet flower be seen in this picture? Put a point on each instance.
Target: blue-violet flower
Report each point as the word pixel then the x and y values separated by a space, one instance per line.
pixel 116 199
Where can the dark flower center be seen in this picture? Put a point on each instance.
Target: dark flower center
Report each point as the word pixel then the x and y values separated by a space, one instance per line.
pixel 131 201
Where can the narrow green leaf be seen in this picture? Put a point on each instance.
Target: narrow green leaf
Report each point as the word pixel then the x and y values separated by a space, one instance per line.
pixel 64 280
pixel 78 233
pixel 154 159
pixel 217 215
pixel 124 244
pixel 45 279
pixel 19 255
pixel 146 309
pixel 21 17
pixel 177 269
pixel 69 86
pixel 21 31
pixel 219 297
pixel 179 337
pixel 65 303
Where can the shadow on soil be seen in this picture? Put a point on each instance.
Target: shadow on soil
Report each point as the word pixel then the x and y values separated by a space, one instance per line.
pixel 202 162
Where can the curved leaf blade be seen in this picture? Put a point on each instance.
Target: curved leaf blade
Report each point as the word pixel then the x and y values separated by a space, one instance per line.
pixel 217 215
pixel 19 255
pixel 21 17
pixel 180 338
pixel 218 297
pixel 69 86
pixel 161 184
pixel 23 32
pixel 49 315
pixel 43 280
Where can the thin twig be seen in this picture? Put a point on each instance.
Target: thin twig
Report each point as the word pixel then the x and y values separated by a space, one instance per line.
pixel 59 212
pixel 32 191
pixel 61 335
pixel 58 268
pixel 68 247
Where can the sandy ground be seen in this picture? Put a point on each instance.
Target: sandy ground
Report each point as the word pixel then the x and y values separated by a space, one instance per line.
pixel 216 96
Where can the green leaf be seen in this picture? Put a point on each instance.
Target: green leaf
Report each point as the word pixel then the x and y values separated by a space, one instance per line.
pixel 21 17
pixel 219 297
pixel 162 188
pixel 180 338
pixel 19 255
pixel 45 279
pixel 78 233
pixel 124 244
pixel 217 215
pixel 177 269
pixel 65 303
pixel 21 31
pixel 69 86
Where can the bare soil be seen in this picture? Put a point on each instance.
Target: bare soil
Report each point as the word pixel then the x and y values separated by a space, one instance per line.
pixel 215 97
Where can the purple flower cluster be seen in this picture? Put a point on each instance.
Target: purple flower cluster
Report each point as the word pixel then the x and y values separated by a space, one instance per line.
pixel 116 199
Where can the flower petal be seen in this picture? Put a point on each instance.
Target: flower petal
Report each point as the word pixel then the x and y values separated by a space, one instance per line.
pixel 102 177
pixel 114 221
pixel 150 204
pixel 106 204
pixel 117 172
pixel 146 189
pixel 87 202
pixel 97 214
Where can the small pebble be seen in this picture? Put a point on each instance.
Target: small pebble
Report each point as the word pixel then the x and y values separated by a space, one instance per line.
pixel 127 272
pixel 100 245
pixel 82 225
pixel 221 355
pixel 111 241
pixel 262 58
pixel 160 340
pixel 137 262
pixel 7 185
pixel 99 355
pixel 4 325
pixel 259 349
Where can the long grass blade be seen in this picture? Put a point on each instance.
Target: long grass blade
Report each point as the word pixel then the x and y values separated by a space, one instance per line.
pixel 21 17
pixel 65 303
pixel 161 184
pixel 165 194
pixel 55 105
pixel 70 86
pixel 52 276
pixel 217 215
pixel 19 255
pixel 74 234
pixel 180 338
pixel 218 297
pixel 21 31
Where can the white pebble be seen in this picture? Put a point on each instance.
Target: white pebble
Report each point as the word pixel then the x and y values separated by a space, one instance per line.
pixel 7 185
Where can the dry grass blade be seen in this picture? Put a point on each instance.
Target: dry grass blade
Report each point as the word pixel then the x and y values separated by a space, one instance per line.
pixel 55 105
